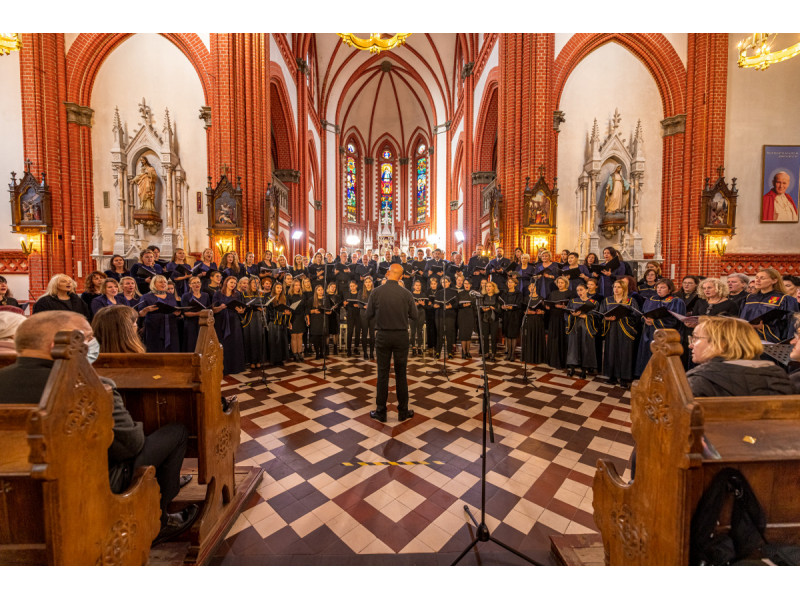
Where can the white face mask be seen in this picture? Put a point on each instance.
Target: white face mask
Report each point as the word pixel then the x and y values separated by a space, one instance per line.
pixel 93 351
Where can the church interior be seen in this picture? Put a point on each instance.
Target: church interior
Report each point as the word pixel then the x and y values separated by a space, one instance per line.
pixel 660 146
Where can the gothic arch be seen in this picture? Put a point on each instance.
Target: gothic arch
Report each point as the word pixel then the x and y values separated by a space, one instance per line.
pixel 653 49
pixel 89 50
pixel 281 119
pixel 486 129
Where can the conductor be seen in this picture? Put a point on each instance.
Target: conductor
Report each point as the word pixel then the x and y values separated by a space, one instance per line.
pixel 392 306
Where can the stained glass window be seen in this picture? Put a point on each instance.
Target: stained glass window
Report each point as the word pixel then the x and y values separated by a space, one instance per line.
pixel 387 183
pixel 351 149
pixel 422 189
pixel 386 154
pixel 350 186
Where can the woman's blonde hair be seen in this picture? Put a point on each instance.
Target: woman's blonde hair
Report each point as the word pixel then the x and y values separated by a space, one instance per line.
pixel 731 339
pixel 114 327
pixel 491 285
pixel 136 293
pixel 722 288
pixel 564 279
pixel 52 285
pixel 154 280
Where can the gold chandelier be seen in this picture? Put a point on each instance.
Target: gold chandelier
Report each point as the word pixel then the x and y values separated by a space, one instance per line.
pixel 9 42
pixel 375 43
pixel 755 52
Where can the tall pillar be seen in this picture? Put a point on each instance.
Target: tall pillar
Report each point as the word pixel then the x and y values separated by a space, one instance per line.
pixel 526 139
pixel 240 127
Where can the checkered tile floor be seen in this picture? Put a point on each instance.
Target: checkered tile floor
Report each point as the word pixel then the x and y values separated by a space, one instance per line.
pixel 311 508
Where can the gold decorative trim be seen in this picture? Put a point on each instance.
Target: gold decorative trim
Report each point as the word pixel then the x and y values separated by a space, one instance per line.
pixel 375 43
pixel 9 42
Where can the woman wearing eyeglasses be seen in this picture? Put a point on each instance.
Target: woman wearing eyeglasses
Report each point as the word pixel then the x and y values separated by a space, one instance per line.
pixel 727 352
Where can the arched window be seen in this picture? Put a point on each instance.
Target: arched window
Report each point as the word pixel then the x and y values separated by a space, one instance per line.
pixel 351 184
pixel 422 183
pixel 387 185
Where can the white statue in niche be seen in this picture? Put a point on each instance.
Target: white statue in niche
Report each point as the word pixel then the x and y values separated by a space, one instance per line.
pixel 618 192
pixel 145 182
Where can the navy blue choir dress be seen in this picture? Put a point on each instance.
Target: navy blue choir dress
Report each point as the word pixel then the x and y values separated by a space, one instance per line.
pixel 606 283
pixel 525 275
pixel 620 340
pixel 546 285
pixel 191 325
pixel 581 335
pixel 229 332
pixel 201 270
pixel 759 303
pixel 173 270
pixel 671 303
pixel 160 330
pixel 103 301
pixel 111 274
pixel 141 273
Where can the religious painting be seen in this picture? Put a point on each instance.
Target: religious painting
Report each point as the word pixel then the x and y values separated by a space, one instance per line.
pixel 386 190
pixel 717 213
pixel 422 188
pixel 779 202
pixel 225 210
pixel 30 204
pixel 538 206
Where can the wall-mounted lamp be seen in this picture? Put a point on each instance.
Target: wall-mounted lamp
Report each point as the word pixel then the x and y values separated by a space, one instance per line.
pixel 719 244
pixel 539 242
pixel 28 244
pixel 224 245
pixel 459 235
pixel 352 240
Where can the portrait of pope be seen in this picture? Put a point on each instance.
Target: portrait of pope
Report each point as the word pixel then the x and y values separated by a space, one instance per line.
pixel 777 205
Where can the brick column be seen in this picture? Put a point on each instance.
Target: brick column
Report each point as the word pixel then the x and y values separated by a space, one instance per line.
pixel 526 138
pixel 240 129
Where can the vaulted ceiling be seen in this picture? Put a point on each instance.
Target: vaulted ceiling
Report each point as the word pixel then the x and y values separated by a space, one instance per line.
pixel 393 95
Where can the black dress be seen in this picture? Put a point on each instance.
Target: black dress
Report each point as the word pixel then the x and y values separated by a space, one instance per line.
pixel 534 348
pixel 88 298
pixel 277 331
pixel 191 325
pixel 74 304
pixel 160 330
pixel 298 319
pixel 367 325
pixel 466 316
pixel 620 341
pixel 116 276
pixel 229 332
pixel 333 301
pixel 727 308
pixel 445 319
pixel 489 322
pixel 557 341
pixel 253 333
pixel 353 317
pixel 512 318
pixel 581 334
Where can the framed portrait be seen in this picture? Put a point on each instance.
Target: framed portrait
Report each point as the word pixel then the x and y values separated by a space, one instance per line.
pixel 30 204
pixel 718 206
pixel 780 186
pixel 224 207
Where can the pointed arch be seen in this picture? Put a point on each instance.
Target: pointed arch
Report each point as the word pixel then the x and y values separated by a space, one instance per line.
pixel 281 119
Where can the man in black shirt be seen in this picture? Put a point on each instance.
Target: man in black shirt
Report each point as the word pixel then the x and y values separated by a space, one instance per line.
pixel 497 269
pixel 476 268
pixel 391 306
pixel 436 266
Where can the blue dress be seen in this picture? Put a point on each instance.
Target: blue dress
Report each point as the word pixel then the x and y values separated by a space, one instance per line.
pixel 160 331
pixel 116 276
pixel 229 331
pixel 606 283
pixel 671 303
pixel 140 273
pixel 544 285
pixel 182 286
pixel 759 303
pixel 103 301
pixel 525 276
pixel 191 325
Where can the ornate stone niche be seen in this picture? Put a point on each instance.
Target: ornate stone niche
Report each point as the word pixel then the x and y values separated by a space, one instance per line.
pixel 718 207
pixel 539 208
pixel 30 203
pixel 150 186
pixel 492 202
pixel 610 188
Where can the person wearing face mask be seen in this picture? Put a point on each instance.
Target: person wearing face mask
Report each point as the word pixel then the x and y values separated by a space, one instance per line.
pixel 165 448
pixel 60 295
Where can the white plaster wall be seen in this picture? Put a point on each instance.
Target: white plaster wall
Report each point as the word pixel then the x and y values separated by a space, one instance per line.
pixel 491 63
pixel 762 109
pixel 332 219
pixel 148 65
pixel 276 56
pixel 607 79
pixel 678 41
pixel 11 150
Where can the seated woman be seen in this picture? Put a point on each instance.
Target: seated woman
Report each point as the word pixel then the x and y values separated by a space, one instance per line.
pixel 6 299
pixel 727 352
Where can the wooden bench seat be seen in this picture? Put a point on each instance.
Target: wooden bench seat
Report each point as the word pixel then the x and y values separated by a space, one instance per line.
pixel 56 504
pixel 647 521
pixel 161 388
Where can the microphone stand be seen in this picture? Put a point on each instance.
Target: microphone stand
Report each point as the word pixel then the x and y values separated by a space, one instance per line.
pixel 482 531
pixel 525 380
pixel 444 334
pixel 265 326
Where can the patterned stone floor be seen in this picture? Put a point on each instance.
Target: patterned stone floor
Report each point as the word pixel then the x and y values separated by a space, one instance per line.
pixel 317 506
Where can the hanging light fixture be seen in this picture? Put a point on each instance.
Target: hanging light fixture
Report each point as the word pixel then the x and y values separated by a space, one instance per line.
pixel 756 51
pixel 9 42
pixel 375 43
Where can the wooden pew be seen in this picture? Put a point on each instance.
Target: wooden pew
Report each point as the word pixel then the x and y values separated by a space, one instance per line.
pixel 161 388
pixel 647 522
pixel 56 504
